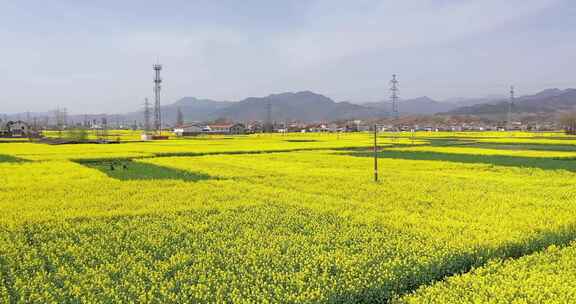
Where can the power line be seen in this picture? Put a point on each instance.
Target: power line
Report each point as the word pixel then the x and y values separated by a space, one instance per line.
pixel 376 153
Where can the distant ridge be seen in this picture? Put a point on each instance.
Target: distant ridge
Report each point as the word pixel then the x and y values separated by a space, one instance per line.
pixel 307 106
pixel 546 102
pixel 417 106
pixel 195 109
pixel 302 106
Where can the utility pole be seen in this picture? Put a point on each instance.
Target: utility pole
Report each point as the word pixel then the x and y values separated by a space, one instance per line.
pixel 104 130
pixel 179 117
pixel 269 125
pixel 510 106
pixel 60 118
pixel 64 117
pixel 376 153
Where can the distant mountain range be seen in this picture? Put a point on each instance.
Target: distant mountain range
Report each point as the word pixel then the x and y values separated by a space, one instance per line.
pixel 193 109
pixel 301 106
pixel 304 106
pixel 417 106
pixel 547 102
pixel 312 107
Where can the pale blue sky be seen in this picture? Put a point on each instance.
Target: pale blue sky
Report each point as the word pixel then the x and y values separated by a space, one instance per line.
pixel 96 56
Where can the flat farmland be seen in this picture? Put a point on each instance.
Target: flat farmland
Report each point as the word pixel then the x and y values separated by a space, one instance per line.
pixel 290 218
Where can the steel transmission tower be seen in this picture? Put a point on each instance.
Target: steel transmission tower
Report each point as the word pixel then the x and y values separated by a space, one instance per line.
pixel 157 86
pixel 511 106
pixel 269 126
pixel 394 89
pixel 147 113
pixel 103 134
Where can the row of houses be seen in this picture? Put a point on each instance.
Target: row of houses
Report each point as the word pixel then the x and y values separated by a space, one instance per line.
pixel 222 129
pixel 239 128
pixel 349 126
pixel 15 129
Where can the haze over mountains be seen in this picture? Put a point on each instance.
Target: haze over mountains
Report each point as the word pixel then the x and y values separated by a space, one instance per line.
pixel 304 106
pixel 301 106
pixel 417 106
pixel 193 109
pixel 545 102
pixel 308 106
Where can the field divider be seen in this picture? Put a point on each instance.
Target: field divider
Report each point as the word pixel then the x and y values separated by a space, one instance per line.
pixel 200 154
pixel 468 261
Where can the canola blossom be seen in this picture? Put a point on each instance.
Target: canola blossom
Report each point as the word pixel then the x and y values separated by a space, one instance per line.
pixel 288 218
pixel 543 277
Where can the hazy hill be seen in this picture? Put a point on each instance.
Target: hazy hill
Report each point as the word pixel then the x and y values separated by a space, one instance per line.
pixel 311 107
pixel 303 106
pixel 459 102
pixel 417 106
pixel 547 101
pixel 194 109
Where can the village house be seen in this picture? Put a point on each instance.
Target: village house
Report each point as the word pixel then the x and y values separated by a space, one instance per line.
pixel 357 126
pixel 189 130
pixel 254 127
pixel 15 129
pixel 237 128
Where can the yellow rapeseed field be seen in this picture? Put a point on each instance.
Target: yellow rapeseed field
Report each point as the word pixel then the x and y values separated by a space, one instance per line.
pixel 289 219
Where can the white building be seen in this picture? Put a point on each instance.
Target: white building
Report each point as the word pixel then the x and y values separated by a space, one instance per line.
pixel 226 129
pixel 189 130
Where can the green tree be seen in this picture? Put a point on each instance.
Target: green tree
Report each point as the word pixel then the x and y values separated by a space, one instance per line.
pixel 77 134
